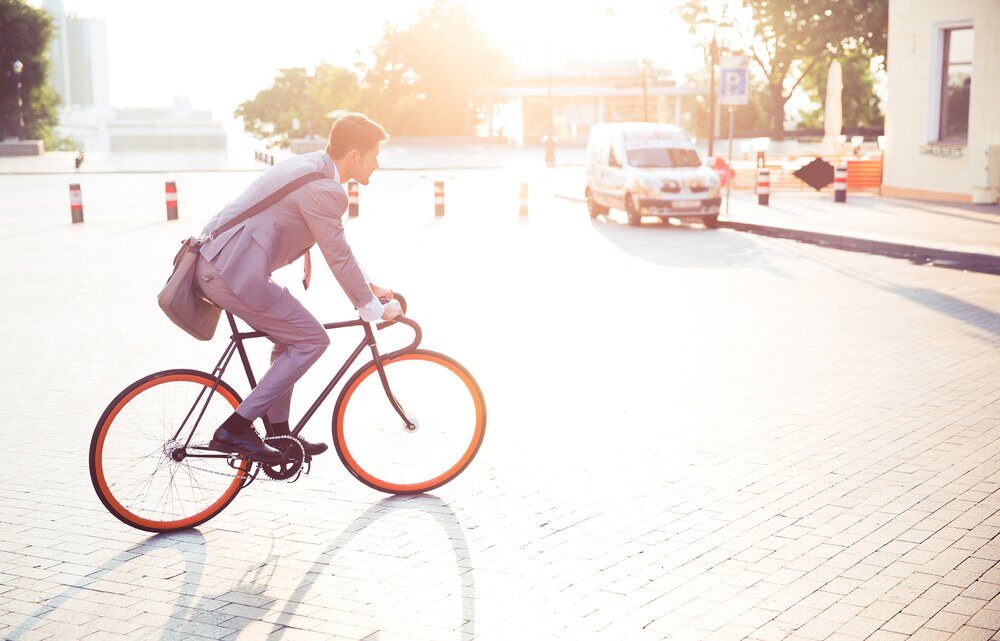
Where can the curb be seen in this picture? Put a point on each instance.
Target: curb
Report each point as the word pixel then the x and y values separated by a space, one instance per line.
pixel 919 254
pixel 949 258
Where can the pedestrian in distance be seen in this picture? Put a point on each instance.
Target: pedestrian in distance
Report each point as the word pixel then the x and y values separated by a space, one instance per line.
pixel 234 272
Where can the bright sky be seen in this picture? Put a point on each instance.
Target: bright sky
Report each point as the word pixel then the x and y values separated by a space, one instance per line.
pixel 221 52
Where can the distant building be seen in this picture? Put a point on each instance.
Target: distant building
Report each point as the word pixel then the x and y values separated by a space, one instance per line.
pixel 943 109
pixel 583 94
pixel 176 128
pixel 79 53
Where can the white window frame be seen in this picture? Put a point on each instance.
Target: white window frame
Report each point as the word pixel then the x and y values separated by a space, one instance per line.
pixel 937 64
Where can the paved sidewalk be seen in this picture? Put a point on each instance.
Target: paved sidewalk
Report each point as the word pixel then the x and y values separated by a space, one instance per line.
pixel 693 435
pixel 966 236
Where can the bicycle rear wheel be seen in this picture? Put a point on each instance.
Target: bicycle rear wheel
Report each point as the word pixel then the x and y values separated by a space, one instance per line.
pixel 132 463
pixel 434 390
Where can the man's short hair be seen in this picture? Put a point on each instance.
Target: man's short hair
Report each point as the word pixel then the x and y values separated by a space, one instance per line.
pixel 354 131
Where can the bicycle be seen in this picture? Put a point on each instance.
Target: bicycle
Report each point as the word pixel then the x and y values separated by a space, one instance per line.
pixel 409 438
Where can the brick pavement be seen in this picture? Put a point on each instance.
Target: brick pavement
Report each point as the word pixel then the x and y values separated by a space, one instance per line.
pixel 693 435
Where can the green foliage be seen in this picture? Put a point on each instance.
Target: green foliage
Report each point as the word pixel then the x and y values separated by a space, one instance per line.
pixel 860 104
pixel 294 95
pixel 787 39
pixel 424 77
pixel 422 82
pixel 24 35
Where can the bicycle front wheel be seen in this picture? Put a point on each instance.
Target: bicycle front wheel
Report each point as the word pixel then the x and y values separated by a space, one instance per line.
pixel 439 395
pixel 136 445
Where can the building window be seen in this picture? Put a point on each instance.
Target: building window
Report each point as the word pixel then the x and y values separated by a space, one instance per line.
pixel 956 85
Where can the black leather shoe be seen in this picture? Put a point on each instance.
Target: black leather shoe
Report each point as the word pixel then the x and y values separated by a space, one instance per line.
pixel 281 428
pixel 246 443
pixel 311 449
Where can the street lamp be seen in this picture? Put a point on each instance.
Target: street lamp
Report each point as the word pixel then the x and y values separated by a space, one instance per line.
pixel 18 67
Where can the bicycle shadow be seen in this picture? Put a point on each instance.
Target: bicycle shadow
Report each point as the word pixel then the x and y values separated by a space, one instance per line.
pixel 191 544
pixel 445 517
pixel 186 617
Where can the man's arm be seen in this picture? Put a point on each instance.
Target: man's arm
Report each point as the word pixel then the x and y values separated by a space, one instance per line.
pixel 322 207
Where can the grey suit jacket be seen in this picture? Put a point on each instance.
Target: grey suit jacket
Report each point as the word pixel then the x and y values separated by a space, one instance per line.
pixel 247 254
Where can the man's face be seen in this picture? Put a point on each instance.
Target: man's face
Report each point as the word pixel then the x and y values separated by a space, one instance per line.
pixel 367 163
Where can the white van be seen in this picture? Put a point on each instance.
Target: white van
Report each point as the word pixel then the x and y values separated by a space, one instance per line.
pixel 649 169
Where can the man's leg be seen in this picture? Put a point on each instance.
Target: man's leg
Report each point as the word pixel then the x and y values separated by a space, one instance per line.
pixel 279 410
pixel 302 338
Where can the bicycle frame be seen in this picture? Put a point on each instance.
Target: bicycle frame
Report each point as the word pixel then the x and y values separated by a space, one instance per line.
pixel 236 345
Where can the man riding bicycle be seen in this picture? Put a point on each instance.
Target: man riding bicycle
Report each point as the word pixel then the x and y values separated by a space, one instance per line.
pixel 234 272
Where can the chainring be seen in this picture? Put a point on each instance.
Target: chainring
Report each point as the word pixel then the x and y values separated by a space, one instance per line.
pixel 293 451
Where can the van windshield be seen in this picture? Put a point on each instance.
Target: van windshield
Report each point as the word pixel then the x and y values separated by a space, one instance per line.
pixel 663 157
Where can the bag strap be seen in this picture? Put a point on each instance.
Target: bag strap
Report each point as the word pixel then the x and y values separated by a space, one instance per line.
pixel 266 202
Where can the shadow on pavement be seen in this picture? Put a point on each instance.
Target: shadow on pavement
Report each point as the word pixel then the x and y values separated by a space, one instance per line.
pixel 426 503
pixel 956 308
pixel 191 545
pixel 678 246
pixel 187 616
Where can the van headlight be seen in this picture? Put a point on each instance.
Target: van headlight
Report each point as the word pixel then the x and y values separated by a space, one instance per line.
pixel 670 186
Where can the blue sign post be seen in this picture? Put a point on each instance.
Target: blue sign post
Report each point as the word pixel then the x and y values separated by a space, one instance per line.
pixel 734 89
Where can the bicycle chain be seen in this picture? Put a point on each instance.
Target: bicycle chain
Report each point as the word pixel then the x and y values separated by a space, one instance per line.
pixel 252 476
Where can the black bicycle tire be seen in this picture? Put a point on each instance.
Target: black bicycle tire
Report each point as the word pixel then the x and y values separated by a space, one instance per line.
pixel 97 430
pixel 358 374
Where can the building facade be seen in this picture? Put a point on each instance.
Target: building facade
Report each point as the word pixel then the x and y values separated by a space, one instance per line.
pixel 79 54
pixel 942 139
pixel 582 94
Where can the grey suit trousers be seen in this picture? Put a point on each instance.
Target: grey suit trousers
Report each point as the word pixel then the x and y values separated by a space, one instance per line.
pixel 299 340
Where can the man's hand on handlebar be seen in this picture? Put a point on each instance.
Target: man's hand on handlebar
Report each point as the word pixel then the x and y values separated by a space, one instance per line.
pixel 390 309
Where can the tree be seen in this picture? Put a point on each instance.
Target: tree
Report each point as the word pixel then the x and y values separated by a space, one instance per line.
pixel 786 39
pixel 751 117
pixel 425 78
pixel 294 95
pixel 860 104
pixel 24 35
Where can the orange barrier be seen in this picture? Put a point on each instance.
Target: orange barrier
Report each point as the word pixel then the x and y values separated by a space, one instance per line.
pixel 863 174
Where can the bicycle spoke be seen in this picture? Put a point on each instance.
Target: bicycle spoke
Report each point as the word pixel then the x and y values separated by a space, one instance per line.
pixel 141 476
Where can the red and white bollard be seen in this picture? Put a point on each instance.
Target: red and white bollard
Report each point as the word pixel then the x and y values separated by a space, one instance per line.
pixel 76 203
pixel 763 186
pixel 171 200
pixel 352 198
pixel 840 183
pixel 523 200
pixel 439 198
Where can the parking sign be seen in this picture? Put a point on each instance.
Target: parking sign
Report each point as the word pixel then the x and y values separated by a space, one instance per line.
pixel 734 85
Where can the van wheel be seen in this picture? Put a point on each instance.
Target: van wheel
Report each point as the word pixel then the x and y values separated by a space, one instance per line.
pixel 593 208
pixel 634 217
pixel 711 222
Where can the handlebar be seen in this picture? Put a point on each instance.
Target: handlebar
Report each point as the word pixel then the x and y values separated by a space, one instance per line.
pixel 417 333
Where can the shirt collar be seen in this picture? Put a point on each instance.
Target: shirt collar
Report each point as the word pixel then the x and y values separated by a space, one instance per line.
pixel 330 166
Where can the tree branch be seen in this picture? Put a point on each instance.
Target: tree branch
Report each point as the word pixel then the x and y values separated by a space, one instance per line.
pixel 804 73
